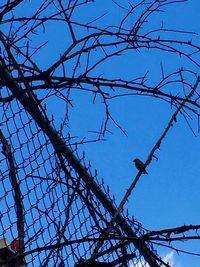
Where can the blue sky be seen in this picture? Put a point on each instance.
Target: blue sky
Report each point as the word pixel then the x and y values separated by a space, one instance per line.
pixel 169 195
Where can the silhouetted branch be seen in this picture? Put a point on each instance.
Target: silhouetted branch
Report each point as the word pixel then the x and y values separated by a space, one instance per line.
pixel 7 152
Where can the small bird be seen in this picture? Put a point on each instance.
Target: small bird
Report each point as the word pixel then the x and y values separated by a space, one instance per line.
pixel 140 165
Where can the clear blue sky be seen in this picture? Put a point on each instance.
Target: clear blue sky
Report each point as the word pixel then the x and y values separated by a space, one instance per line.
pixel 169 195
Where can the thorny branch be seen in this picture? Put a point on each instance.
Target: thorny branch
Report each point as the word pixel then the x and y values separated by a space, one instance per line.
pixel 87 45
pixel 156 146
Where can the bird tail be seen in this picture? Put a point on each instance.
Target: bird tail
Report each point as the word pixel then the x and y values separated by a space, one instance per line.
pixel 145 172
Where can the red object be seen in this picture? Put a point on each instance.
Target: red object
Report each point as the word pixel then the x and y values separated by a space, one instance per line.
pixel 14 245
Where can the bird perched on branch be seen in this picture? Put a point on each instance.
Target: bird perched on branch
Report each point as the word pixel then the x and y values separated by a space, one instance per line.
pixel 140 165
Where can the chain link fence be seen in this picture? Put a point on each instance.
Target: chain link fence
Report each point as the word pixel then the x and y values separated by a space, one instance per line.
pixel 62 219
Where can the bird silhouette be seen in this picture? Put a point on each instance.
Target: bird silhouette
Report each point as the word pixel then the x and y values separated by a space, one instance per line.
pixel 140 165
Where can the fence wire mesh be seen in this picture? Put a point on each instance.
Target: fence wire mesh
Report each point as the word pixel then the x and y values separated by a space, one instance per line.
pixel 61 215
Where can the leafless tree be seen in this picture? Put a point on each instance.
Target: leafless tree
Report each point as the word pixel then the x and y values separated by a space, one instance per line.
pixel 54 53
